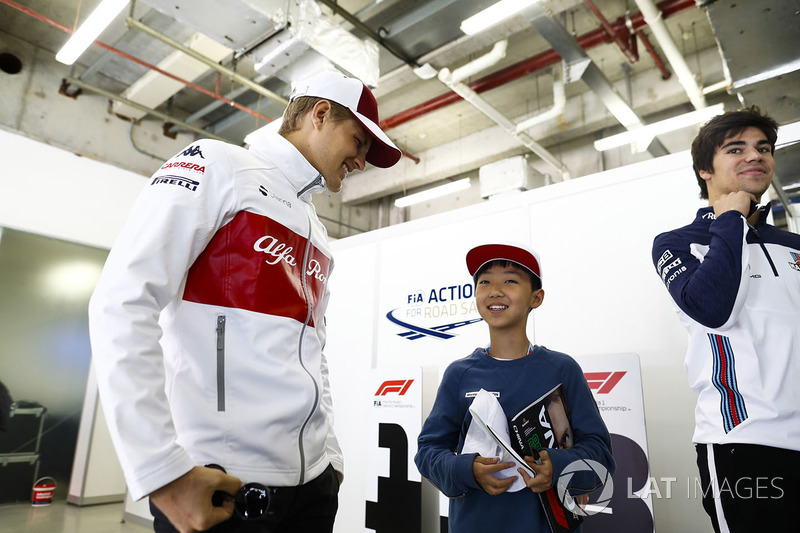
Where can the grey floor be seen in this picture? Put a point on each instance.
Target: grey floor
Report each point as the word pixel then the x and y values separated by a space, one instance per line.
pixel 59 517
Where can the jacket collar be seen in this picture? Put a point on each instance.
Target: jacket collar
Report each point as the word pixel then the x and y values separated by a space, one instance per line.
pixel 707 214
pixel 303 177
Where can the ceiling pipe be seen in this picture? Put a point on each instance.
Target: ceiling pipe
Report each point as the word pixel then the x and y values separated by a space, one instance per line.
pixel 665 74
pixel 497 53
pixel 528 66
pixel 473 98
pixel 580 66
pixel 453 81
pixel 559 105
pixel 652 15
pixel 136 105
pixel 129 57
pixel 235 76
pixel 623 45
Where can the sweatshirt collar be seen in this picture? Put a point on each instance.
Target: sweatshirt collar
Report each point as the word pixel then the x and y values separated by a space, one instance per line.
pixel 707 213
pixel 303 177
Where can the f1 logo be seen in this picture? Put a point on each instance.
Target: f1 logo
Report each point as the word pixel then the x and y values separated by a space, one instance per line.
pixel 603 382
pixel 400 386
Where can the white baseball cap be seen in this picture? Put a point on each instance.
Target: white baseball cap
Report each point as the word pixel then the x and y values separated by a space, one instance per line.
pixel 359 100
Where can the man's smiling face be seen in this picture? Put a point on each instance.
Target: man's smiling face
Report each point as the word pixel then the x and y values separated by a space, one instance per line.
pixel 744 162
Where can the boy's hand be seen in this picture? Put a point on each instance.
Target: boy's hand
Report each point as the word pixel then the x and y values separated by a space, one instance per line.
pixel 483 469
pixel 544 472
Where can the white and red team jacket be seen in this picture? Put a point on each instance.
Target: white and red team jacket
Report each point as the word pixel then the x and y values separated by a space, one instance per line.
pixel 737 291
pixel 207 323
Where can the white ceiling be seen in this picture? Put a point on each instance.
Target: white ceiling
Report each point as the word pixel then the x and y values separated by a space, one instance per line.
pixel 722 42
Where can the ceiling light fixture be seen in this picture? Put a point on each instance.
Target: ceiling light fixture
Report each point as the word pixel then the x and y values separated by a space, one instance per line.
pixel 780 70
pixel 90 30
pixel 435 192
pixel 640 138
pixel 493 14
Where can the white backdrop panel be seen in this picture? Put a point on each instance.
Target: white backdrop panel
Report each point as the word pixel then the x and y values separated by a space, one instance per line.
pixel 349 348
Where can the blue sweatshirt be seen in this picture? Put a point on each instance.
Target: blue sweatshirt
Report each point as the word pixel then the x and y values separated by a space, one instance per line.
pixel 518 382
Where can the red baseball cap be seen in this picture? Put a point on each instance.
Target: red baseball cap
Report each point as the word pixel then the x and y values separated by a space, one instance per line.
pixel 359 100
pixel 485 253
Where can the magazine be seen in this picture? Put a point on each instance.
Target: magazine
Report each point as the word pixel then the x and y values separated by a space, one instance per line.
pixel 544 423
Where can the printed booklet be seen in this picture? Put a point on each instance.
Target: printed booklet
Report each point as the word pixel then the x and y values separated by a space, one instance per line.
pixel 545 423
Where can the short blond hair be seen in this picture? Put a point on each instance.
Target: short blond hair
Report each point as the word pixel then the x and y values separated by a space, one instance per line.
pixel 298 108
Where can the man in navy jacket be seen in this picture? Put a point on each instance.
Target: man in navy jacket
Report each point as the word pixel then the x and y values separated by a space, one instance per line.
pixel 735 280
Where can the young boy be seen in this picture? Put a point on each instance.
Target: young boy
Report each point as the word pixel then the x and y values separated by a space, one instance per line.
pixel 507 286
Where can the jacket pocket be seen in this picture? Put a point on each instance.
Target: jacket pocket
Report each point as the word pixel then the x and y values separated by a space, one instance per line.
pixel 221 363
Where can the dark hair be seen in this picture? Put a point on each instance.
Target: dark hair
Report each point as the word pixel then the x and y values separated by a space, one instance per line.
pixel 536 283
pixel 302 105
pixel 715 131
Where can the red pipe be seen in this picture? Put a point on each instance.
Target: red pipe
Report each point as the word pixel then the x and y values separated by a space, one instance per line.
pixel 527 66
pixel 665 74
pixel 612 33
pixel 60 26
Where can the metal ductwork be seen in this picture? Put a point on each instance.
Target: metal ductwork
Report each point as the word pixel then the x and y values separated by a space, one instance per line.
pixel 578 65
pixel 309 41
pixel 509 176
pixel 287 40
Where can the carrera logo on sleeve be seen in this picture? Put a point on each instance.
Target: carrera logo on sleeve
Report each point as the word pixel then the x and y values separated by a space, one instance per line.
pixel 184 164
pixel 795 262
pixel 180 181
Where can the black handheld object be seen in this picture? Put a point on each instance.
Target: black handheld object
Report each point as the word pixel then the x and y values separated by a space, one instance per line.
pixel 251 501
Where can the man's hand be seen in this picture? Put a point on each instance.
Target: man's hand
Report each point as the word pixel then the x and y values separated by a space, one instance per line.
pixel 544 472
pixel 483 469
pixel 187 500
pixel 734 201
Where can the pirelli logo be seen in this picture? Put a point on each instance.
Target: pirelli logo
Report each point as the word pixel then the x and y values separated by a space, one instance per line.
pixel 180 181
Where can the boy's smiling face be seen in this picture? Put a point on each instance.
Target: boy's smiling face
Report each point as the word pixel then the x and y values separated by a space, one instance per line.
pixel 504 297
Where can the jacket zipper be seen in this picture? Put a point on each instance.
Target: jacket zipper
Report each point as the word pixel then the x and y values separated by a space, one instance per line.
pixel 300 356
pixel 221 363
pixel 316 182
pixel 764 249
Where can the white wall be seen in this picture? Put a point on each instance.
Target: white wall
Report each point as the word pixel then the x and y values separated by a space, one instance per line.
pixel 53 192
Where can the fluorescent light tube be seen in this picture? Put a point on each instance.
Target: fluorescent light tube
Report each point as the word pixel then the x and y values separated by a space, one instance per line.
pixel 780 70
pixel 435 192
pixel 90 30
pixel 493 14
pixel 637 135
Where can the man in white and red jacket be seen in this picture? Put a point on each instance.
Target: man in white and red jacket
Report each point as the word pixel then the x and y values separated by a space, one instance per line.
pixel 207 324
